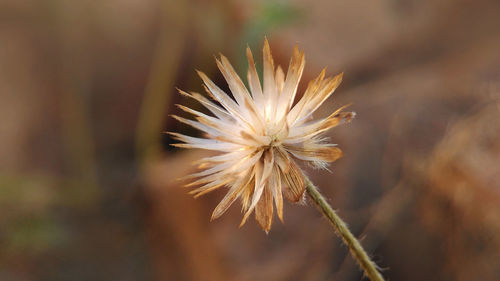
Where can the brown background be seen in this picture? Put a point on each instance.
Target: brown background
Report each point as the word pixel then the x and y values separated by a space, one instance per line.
pixel 87 189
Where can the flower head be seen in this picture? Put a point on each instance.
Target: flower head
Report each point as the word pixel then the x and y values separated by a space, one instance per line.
pixel 260 134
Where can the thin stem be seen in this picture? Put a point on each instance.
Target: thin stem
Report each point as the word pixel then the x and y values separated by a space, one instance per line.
pixel 357 251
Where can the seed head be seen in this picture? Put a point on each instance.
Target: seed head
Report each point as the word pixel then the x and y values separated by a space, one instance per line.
pixel 260 135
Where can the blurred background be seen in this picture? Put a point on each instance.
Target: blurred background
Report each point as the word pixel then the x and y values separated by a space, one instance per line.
pixel 87 189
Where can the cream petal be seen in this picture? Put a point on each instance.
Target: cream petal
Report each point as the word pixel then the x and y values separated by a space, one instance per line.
pixel 234 82
pixel 235 168
pixel 270 90
pixel 219 124
pixel 236 85
pixel 247 194
pixel 308 131
pixel 282 159
pixel 210 178
pixel 226 129
pixel 240 92
pixel 247 162
pixel 311 90
pixel 212 170
pixel 223 157
pixel 295 70
pixel 197 125
pixel 208 144
pixel 211 186
pixel 254 83
pixel 326 90
pixel 216 110
pixel 225 100
pixel 231 196
pixel 256 139
pixel 268 165
pixel 217 146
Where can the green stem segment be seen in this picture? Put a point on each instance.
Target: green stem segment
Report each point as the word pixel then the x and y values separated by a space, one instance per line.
pixel 357 251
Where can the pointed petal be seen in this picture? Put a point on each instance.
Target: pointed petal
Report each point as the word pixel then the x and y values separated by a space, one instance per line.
pixel 295 70
pixel 280 79
pixel 224 100
pixel 197 125
pixel 209 144
pixel 234 82
pixel 282 160
pixel 216 110
pixel 235 168
pixel 326 90
pixel 208 179
pixel 247 194
pixel 223 157
pixel 311 90
pixel 258 189
pixel 225 129
pixel 221 125
pixel 264 209
pixel 231 196
pixel 211 186
pixel 254 83
pixel 270 90
pixel 212 170
pixel 308 131
pixel 317 152
pixel 294 183
pixel 275 185
pixel 268 165
pixel 239 91
pixel 258 139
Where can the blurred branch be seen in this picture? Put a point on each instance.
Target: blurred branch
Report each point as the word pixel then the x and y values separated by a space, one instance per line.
pixel 162 74
pixel 75 115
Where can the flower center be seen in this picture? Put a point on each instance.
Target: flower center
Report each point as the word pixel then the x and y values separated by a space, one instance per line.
pixel 274 141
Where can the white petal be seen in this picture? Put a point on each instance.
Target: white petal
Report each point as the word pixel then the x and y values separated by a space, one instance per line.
pixel 224 100
pixel 295 70
pixel 209 144
pixel 270 90
pixel 216 110
pixel 254 83
pixel 305 132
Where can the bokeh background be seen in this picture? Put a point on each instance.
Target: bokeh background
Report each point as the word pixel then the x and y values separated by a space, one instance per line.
pixel 87 189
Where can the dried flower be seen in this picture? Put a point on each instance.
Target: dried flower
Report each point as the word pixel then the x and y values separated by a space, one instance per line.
pixel 261 134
